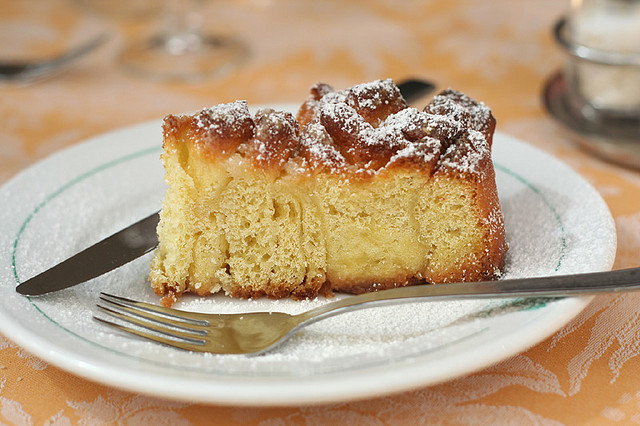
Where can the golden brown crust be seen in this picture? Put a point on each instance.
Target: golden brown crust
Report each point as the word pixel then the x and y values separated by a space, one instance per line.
pixel 275 138
pixel 307 110
pixel 461 108
pixel 355 132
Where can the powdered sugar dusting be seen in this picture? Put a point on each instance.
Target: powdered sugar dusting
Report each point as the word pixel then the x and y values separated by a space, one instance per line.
pixel 459 107
pixel 365 96
pixel 466 156
pixel 276 136
pixel 425 150
pixel 373 94
pixel 317 144
pixel 220 118
pixel 350 122
pixel 443 126
pixel 274 123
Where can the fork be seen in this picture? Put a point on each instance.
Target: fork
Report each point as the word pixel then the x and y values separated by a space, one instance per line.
pixel 258 332
pixel 31 71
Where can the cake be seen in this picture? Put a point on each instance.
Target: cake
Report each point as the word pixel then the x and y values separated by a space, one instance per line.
pixel 358 192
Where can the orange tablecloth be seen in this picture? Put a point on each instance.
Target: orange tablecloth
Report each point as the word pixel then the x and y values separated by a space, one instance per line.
pixel 500 52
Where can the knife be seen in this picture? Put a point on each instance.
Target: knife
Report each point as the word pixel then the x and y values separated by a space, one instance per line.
pixel 102 257
pixel 137 239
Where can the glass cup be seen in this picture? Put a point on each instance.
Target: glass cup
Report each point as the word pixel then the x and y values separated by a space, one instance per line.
pixel 602 38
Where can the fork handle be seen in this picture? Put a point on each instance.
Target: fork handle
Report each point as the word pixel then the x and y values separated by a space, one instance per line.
pixel 560 285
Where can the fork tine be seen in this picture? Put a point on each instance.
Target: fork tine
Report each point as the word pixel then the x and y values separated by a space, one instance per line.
pixel 196 329
pixel 176 314
pixel 181 344
pixel 157 326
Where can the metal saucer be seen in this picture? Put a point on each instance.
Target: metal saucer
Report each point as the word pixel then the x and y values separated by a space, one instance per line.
pixel 615 140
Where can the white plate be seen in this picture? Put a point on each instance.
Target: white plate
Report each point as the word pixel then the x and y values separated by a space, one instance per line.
pixel 556 224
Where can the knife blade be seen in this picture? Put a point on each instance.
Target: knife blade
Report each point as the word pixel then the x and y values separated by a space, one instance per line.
pixel 414 89
pixel 102 257
pixel 137 239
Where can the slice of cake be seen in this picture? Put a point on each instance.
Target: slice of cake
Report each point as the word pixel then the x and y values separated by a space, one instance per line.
pixel 359 192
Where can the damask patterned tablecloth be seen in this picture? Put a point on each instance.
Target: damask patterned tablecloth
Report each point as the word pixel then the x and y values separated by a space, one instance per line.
pixel 500 52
